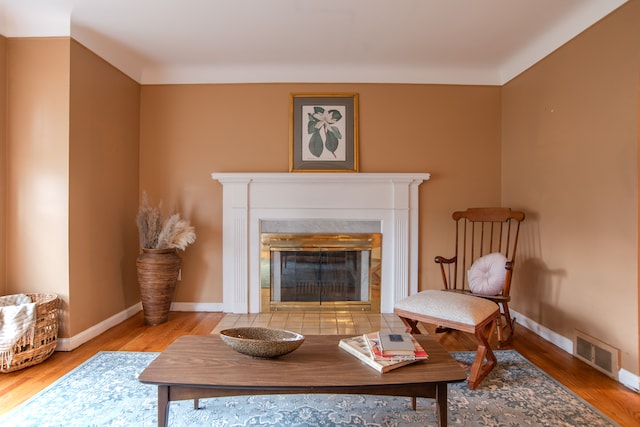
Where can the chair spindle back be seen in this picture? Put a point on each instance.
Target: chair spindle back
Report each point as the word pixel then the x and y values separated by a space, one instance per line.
pixel 479 232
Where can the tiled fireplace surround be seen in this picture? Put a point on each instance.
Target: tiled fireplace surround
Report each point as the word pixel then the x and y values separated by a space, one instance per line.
pixel 318 202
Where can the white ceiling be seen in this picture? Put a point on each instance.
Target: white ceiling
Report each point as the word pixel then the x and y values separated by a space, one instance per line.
pixel 231 41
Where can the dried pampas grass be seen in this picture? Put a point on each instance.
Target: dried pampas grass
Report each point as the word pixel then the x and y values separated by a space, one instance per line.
pixel 176 233
pixel 149 220
pixel 156 233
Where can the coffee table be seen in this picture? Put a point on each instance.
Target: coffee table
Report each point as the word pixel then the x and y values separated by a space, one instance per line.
pixel 197 366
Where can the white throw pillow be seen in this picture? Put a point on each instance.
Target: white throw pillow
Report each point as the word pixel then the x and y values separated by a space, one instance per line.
pixel 487 274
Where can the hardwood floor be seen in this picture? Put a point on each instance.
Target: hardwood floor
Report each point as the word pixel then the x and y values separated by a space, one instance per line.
pixel 613 399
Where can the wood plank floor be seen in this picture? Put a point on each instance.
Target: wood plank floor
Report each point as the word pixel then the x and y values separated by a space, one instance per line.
pixel 616 401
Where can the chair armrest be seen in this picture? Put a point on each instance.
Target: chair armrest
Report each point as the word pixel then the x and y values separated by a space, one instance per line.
pixel 442 260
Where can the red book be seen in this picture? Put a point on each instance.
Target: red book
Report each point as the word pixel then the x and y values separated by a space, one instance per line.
pixel 378 352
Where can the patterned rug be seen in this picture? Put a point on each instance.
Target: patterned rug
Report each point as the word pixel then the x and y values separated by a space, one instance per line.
pixel 104 391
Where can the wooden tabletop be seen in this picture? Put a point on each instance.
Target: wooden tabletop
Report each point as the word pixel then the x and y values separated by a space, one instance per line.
pixel 206 361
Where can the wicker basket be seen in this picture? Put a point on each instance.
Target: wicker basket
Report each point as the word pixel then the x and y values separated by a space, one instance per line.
pixel 45 335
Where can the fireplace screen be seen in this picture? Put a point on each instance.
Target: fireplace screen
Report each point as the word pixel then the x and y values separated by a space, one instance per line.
pixel 320 272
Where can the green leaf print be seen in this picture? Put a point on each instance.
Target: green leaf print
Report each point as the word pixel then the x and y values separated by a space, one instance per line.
pixel 331 142
pixel 315 144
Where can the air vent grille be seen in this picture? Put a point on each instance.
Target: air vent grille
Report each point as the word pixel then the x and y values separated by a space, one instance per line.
pixel 594 352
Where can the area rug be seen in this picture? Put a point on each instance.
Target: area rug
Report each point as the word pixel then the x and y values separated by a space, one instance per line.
pixel 104 391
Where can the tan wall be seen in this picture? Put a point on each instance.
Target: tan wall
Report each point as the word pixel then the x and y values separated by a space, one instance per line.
pixel 190 131
pixel 37 167
pixel 3 161
pixel 72 180
pixel 570 138
pixel 103 189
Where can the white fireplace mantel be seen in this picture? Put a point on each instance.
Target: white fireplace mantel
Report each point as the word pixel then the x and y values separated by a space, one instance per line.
pixel 251 198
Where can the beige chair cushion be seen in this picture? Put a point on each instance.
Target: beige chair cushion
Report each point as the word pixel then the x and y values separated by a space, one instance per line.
pixel 452 306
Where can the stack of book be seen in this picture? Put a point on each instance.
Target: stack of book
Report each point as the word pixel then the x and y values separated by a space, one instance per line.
pixel 384 351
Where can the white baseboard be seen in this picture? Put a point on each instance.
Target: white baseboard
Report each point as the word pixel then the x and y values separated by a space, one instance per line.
pixel 629 379
pixel 564 343
pixel 68 344
pixel 196 306
pixel 626 378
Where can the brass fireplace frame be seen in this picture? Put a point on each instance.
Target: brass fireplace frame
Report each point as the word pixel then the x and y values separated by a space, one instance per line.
pixel 320 242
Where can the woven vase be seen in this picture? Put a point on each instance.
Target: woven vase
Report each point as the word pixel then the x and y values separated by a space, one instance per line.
pixel 158 271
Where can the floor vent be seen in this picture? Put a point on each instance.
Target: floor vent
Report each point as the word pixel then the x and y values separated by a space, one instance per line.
pixel 601 356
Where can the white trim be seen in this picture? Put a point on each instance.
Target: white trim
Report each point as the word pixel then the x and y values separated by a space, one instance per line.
pixel 554 338
pixel 68 344
pixel 629 379
pixel 150 74
pixel 625 377
pixel 197 306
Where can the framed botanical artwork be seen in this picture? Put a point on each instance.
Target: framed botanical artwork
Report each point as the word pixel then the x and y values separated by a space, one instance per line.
pixel 323 133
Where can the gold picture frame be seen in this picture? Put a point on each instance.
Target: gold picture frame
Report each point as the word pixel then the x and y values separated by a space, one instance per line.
pixel 323 134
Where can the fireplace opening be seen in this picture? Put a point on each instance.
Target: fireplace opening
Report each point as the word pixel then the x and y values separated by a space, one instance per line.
pixel 334 272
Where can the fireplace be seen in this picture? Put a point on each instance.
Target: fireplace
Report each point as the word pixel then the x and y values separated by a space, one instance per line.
pixel 320 271
pixel 318 204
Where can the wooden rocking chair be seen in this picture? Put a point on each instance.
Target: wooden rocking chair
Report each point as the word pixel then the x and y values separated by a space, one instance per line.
pixel 477 280
pixel 491 234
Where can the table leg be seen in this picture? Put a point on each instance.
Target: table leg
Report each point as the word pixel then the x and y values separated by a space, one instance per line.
pixel 163 405
pixel 441 404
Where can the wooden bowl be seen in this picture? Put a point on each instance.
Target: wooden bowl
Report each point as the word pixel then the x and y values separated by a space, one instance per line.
pixel 260 342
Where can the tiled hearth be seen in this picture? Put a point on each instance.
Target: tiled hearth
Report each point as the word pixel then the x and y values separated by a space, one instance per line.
pixel 313 323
